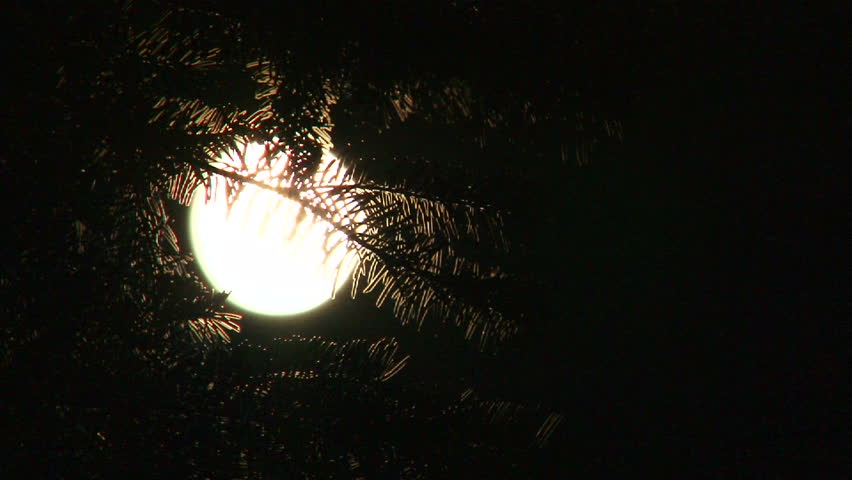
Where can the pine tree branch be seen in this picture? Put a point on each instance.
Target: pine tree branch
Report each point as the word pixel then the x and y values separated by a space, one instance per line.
pixel 410 266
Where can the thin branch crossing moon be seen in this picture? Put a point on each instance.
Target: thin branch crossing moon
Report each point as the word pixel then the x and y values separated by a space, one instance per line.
pixel 274 256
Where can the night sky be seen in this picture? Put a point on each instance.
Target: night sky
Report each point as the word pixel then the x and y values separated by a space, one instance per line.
pixel 681 293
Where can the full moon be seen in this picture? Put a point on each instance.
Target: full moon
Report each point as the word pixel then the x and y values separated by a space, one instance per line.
pixel 272 255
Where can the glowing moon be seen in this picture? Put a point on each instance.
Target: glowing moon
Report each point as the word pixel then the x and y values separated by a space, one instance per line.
pixel 274 257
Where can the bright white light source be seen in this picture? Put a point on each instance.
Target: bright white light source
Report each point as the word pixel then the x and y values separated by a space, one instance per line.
pixel 275 257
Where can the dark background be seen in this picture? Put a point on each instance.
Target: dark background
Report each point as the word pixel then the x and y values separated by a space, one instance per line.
pixel 687 309
pixel 683 301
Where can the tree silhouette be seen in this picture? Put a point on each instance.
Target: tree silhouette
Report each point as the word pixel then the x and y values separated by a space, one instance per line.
pixel 116 355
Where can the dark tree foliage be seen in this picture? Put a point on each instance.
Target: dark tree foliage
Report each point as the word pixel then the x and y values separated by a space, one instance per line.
pixel 116 357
